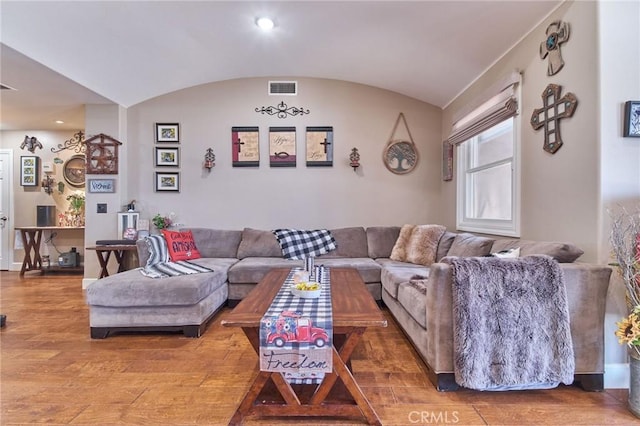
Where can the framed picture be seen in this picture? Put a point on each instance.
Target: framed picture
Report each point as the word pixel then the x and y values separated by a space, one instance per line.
pixel 245 147
pixel 102 186
pixel 282 146
pixel 167 132
pixel 319 146
pixel 167 182
pixel 167 157
pixel 447 161
pixel 29 170
pixel 632 119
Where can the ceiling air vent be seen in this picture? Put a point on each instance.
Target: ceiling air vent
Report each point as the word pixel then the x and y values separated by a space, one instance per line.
pixel 288 88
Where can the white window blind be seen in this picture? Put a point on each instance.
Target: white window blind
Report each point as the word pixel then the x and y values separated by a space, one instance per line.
pixel 497 104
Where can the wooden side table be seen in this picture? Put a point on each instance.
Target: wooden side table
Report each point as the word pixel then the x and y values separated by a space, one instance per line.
pixel 119 251
pixel 31 239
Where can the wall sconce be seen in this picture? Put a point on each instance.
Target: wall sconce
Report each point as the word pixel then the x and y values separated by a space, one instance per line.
pixel 47 184
pixel 209 159
pixel 354 157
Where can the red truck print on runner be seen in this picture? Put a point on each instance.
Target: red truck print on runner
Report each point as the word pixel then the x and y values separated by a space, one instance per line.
pixel 292 327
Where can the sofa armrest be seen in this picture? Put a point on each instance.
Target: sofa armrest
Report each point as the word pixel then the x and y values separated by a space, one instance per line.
pixel 586 286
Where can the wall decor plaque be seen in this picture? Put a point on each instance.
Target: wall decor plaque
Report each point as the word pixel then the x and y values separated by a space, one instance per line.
pixel 74 170
pixel 29 170
pixel 400 156
pixel 245 146
pixel 102 155
pixel 554 109
pixel 282 146
pixel 102 185
pixel 319 146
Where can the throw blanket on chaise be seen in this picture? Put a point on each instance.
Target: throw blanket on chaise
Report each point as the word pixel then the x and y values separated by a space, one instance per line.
pixel 511 323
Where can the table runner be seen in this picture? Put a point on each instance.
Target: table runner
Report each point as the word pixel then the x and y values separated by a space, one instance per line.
pixel 296 334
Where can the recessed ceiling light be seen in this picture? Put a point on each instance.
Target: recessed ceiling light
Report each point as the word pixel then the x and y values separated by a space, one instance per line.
pixel 59 122
pixel 265 23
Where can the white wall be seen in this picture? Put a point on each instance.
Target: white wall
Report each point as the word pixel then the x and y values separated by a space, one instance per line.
pixel 559 191
pixel 27 198
pixel 265 197
pixel 619 69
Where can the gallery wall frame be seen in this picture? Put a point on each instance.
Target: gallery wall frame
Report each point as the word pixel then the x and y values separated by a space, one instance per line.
pixel 245 146
pixel 319 145
pixel 631 119
pixel 167 182
pixel 167 156
pixel 282 146
pixel 29 170
pixel 167 132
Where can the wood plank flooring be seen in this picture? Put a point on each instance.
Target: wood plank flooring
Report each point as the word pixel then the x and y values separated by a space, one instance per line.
pixel 52 372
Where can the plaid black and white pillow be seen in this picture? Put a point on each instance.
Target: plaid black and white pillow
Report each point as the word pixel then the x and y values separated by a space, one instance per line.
pixel 158 250
pixel 298 244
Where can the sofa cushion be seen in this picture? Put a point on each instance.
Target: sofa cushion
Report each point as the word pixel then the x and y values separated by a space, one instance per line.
pixel 562 252
pixel 417 244
pixel 181 245
pixel 130 288
pixel 412 296
pixel 216 242
pixel 350 242
pixel 445 244
pixel 368 268
pixel 258 243
pixel 392 276
pixel 253 269
pixel 300 243
pixel 468 245
pixel 381 239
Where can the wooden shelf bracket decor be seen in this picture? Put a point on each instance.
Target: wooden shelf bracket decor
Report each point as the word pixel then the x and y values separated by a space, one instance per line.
pixel 102 155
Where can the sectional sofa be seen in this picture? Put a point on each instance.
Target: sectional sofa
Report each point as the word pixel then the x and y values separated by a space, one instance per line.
pixel 418 296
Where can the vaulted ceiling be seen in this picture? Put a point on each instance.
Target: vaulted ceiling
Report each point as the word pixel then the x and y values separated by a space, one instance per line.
pixel 60 55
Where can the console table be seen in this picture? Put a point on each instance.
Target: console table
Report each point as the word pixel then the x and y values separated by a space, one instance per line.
pixel 32 238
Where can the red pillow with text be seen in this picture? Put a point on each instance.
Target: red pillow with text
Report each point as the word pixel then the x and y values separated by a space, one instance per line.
pixel 181 245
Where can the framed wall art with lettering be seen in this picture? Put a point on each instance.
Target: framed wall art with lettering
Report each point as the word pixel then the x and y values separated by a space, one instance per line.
pixel 282 146
pixel 245 146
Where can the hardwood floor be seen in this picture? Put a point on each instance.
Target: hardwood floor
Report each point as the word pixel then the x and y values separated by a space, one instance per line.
pixel 52 373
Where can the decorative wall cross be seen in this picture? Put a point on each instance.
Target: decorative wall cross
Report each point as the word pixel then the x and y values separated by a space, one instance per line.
pixel 557 33
pixel 554 108
pixel 239 143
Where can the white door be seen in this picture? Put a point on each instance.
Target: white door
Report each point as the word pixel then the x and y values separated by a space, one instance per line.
pixel 5 206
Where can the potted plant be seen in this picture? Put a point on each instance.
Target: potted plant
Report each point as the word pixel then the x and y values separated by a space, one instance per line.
pixel 625 241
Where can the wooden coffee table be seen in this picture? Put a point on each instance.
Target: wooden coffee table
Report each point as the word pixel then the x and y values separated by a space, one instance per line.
pixel 339 394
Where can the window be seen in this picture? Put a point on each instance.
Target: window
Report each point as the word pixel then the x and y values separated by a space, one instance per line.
pixel 488 199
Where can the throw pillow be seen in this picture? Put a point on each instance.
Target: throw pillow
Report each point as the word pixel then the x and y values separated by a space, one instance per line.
pixel 417 244
pixel 298 244
pixel 158 251
pixel 423 244
pixel 399 251
pixel 507 254
pixel 469 245
pixel 181 245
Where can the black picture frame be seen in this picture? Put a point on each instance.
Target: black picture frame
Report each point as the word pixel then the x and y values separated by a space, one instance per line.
pixel 167 182
pixel 167 156
pixel 167 132
pixel 631 119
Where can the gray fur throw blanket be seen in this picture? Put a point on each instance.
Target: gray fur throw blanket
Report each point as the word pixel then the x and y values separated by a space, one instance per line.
pixel 511 323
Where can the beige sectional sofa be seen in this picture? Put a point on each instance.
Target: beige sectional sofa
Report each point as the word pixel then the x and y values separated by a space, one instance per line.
pixel 418 297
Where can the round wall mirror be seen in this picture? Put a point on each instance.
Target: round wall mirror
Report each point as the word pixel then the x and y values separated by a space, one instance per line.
pixel 74 171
